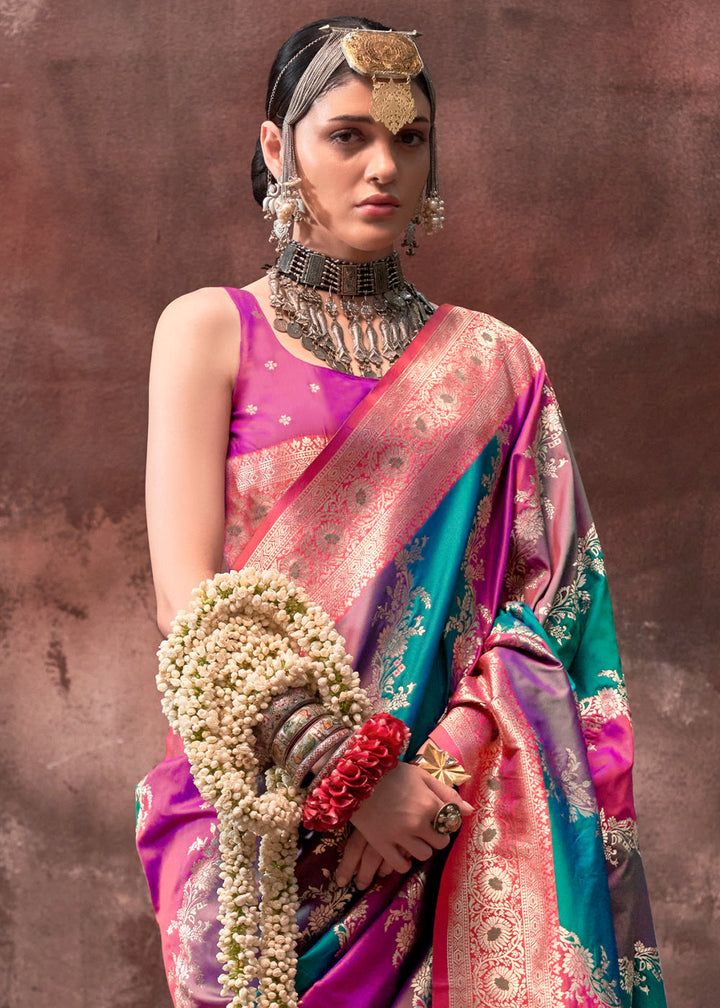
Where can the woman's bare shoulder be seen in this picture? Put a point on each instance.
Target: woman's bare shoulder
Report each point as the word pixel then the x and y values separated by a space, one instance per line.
pixel 208 309
pixel 197 342
pixel 201 328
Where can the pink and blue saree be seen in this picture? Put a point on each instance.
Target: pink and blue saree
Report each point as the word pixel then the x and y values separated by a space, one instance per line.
pixel 442 524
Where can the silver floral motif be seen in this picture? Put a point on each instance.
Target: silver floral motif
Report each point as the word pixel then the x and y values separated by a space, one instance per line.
pixel 620 838
pixel 550 435
pixel 189 924
pixel 143 797
pixel 468 621
pixel 608 704
pixel 578 789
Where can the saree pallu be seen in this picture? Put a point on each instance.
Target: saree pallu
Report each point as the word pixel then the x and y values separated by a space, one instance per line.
pixel 445 530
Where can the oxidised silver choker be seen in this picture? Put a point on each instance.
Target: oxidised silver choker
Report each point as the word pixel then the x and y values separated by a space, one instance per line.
pixel 347 279
pixel 383 311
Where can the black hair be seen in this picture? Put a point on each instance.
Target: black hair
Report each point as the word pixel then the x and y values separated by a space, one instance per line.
pixel 290 64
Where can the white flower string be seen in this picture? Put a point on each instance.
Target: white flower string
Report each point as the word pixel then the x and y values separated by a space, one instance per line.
pixel 250 636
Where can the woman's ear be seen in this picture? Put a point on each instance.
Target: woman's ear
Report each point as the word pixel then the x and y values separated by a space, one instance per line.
pixel 271 143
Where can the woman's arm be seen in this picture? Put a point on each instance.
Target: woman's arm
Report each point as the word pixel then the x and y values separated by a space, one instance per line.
pixel 194 365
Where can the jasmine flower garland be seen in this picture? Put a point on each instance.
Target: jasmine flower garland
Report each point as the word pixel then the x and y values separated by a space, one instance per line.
pixel 250 636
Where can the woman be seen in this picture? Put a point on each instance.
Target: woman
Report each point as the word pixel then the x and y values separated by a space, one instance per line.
pixel 407 466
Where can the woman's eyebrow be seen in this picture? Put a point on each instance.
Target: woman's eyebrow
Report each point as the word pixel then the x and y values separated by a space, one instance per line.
pixel 369 119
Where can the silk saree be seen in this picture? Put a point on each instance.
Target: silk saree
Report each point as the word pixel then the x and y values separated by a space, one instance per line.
pixel 445 530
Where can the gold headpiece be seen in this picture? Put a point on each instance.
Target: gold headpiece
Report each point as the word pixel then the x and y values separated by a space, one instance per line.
pixel 391 59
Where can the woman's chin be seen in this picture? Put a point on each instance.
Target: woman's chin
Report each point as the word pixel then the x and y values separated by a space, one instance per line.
pixel 359 244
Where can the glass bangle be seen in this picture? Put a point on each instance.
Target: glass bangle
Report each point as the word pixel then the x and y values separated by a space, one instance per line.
pixel 302 774
pixel 289 731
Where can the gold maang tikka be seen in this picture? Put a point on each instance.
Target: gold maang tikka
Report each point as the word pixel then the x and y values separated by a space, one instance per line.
pixel 391 59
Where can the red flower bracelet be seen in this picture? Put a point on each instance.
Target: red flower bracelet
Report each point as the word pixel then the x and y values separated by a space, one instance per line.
pixel 375 751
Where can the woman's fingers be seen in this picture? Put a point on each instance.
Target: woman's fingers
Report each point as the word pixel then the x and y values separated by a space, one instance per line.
pixel 362 862
pixel 398 859
pixel 351 858
pixel 421 849
pixel 369 864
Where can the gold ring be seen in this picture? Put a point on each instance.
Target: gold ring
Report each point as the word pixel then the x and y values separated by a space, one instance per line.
pixel 448 818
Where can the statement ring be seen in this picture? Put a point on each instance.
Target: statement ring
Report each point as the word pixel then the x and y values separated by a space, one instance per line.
pixel 448 818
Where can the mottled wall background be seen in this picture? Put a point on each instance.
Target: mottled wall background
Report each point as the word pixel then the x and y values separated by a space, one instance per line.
pixel 579 154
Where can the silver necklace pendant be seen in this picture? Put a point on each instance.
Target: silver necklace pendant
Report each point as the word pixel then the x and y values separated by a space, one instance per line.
pixel 338 336
pixel 380 326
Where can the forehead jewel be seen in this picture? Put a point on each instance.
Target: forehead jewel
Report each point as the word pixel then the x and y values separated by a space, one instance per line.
pixel 391 59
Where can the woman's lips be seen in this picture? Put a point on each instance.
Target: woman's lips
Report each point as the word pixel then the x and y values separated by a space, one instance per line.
pixel 379 206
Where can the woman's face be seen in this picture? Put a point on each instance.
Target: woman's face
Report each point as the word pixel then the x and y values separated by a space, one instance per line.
pixel 361 184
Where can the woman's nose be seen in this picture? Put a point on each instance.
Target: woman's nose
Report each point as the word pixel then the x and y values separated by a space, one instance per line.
pixel 381 163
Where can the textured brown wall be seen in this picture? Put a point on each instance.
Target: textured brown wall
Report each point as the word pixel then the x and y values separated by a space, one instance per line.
pixel 579 156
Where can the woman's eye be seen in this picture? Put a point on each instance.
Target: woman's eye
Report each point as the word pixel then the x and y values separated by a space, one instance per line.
pixel 412 138
pixel 345 136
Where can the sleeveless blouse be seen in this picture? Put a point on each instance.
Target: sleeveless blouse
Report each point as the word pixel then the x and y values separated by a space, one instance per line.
pixel 284 411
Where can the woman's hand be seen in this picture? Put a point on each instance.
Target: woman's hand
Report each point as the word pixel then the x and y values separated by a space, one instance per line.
pixel 395 824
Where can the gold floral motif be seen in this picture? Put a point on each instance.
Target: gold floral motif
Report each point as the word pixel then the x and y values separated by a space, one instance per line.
pixel 497 932
pixel 411 895
pixel 346 930
pixel 637 971
pixel 574 599
pixel 329 903
pixel 335 840
pixel 399 623
pixel 421 983
pixel 587 978
pixel 501 985
pixel 503 897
